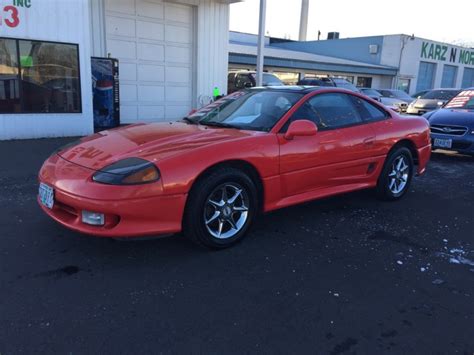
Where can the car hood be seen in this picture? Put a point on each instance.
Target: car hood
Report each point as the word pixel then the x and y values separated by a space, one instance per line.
pixel 392 101
pixel 455 117
pixel 153 142
pixel 427 103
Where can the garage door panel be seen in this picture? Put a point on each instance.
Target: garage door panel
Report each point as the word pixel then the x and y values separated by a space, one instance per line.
pixel 177 93
pixel 153 41
pixel 119 26
pixel 128 71
pixel 150 9
pixel 122 49
pixel 178 34
pixel 175 112
pixel 123 6
pixel 128 113
pixel 151 30
pixel 178 75
pixel 128 92
pixel 152 93
pixel 151 73
pixel 152 52
pixel 151 113
pixel 178 54
pixel 178 13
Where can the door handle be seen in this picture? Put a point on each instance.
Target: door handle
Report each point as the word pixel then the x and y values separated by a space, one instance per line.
pixel 369 141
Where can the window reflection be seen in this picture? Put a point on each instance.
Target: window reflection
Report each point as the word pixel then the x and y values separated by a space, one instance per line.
pixel 43 77
pixel 9 83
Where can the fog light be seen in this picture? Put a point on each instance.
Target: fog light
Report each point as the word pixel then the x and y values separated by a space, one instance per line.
pixel 93 218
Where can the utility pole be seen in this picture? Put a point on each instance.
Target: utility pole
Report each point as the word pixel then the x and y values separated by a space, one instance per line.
pixel 304 20
pixel 261 41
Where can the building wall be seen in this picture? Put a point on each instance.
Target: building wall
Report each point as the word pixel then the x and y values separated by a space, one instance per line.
pixel 58 21
pixel 418 50
pixel 357 49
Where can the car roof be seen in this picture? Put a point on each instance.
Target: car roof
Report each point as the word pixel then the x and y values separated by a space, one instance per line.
pixel 304 89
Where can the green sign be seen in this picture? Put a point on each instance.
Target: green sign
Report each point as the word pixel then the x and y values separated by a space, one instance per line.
pixel 446 53
pixel 26 61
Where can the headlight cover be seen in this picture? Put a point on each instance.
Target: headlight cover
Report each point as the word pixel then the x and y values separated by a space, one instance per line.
pixel 129 171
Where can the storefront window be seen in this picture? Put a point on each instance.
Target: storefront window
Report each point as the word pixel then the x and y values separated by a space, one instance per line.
pixel 46 77
pixel 9 83
pixel 404 85
pixel 364 82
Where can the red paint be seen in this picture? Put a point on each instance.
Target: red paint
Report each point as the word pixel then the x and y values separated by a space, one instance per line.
pixel 14 19
pixel 292 170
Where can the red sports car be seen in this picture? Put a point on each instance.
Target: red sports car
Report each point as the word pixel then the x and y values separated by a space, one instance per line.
pixel 211 174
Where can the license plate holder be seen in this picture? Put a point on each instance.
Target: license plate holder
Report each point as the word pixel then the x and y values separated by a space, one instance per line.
pixel 443 143
pixel 46 195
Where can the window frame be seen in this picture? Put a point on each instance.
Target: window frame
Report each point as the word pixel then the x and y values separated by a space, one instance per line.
pixel 20 84
pixel 387 114
pixel 350 97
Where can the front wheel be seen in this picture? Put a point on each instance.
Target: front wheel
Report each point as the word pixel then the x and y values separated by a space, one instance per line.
pixel 220 209
pixel 396 176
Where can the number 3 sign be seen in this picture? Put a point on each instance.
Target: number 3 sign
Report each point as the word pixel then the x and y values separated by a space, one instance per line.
pixel 9 16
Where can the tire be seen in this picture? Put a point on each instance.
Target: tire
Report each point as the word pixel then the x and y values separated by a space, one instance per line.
pixel 395 179
pixel 220 209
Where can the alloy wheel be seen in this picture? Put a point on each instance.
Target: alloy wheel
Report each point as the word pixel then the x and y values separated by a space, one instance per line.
pixel 226 210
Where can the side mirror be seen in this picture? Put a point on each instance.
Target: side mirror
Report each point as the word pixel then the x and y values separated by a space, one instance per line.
pixel 301 128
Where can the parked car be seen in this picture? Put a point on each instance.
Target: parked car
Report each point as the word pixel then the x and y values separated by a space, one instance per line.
pixel 373 94
pixel 211 174
pixel 452 127
pixel 418 94
pixel 344 84
pixel 317 81
pixel 395 98
pixel 247 79
pixel 430 101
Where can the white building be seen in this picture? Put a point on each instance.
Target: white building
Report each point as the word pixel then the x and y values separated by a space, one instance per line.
pixel 419 64
pixel 172 54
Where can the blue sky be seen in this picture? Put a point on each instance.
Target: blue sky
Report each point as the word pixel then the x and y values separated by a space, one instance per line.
pixel 427 19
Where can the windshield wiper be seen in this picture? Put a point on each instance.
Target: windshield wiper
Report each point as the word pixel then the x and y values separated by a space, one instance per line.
pixel 218 124
pixel 187 119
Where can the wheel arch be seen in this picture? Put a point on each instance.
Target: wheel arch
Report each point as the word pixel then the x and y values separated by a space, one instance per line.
pixel 243 165
pixel 410 145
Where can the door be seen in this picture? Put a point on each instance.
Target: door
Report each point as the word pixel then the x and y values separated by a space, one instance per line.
pixel 339 154
pixel 154 42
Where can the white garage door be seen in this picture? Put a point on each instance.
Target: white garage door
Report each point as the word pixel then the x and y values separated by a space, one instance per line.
pixel 154 44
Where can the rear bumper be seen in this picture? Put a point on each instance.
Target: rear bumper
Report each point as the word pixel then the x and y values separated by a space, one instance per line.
pixel 123 218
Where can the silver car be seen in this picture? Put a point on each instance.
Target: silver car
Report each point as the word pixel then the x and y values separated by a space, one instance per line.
pixel 395 98
pixel 430 101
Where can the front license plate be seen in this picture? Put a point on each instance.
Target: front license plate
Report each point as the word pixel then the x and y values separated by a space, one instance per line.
pixel 46 195
pixel 443 143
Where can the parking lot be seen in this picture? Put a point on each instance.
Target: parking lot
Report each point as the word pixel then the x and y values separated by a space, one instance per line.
pixel 348 274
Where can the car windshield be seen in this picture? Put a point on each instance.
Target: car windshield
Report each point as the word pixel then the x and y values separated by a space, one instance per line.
pixel 400 94
pixel 371 92
pixel 440 95
pixel 256 110
pixel 465 100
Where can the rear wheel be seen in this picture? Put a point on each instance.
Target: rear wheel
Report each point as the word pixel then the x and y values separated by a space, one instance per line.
pixel 220 208
pixel 396 176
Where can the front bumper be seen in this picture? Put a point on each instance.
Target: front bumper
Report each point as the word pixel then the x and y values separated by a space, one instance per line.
pixel 130 211
pixel 419 111
pixel 461 144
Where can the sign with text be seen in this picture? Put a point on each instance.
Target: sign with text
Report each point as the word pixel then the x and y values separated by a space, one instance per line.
pixel 445 53
pixel 10 14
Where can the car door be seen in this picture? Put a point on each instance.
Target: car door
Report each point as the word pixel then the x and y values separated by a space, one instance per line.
pixel 339 154
pixel 378 119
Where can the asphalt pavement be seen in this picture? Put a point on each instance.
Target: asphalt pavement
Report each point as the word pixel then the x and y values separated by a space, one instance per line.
pixel 343 275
